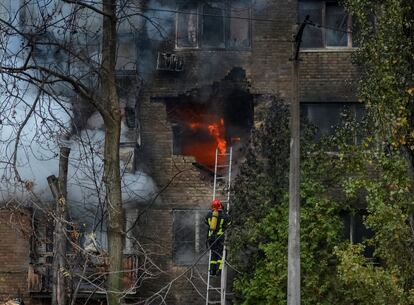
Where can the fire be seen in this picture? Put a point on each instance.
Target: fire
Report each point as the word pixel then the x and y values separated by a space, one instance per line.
pixel 211 133
pixel 217 131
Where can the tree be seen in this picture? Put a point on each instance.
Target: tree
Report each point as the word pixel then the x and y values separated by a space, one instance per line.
pixel 384 31
pixel 258 238
pixel 63 31
pixel 382 167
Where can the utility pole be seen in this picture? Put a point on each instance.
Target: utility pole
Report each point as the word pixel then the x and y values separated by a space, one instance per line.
pixel 293 287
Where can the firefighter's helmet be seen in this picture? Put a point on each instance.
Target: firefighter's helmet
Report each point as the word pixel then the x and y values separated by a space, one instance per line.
pixel 216 205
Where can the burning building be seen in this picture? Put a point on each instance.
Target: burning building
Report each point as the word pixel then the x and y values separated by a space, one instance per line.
pixel 194 81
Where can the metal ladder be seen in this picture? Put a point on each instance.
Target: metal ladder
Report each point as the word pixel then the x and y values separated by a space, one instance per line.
pixel 220 189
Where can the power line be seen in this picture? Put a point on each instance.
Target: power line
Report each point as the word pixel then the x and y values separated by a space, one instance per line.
pixel 208 15
pixel 239 17
pixel 311 23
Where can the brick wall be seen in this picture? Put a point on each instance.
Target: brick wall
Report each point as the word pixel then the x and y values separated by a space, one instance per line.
pixel 324 77
pixel 14 254
pixel 327 76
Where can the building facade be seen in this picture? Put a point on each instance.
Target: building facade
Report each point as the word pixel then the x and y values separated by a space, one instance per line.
pixel 200 79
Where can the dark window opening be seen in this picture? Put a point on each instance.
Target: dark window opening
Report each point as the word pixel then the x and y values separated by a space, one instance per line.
pixel 312 36
pixel 190 233
pixel 213 26
pixel 336 26
pixel 355 230
pixel 187 26
pixel 336 20
pixel 327 117
pixel 200 124
pixel 239 29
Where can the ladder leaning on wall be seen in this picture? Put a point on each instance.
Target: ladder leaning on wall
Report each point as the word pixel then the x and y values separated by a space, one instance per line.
pixel 221 190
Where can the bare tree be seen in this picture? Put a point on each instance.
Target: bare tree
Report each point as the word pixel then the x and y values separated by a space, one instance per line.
pixel 57 59
pixel 64 30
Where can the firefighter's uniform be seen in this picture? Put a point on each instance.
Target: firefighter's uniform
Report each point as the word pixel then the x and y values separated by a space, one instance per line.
pixel 217 221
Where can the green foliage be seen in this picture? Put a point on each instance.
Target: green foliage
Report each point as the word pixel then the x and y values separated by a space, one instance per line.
pixel 383 181
pixel 386 57
pixel 333 272
pixel 376 174
pixel 367 284
pixel 259 236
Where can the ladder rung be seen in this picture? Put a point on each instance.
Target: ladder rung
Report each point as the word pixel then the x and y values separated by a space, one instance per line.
pixel 215 288
pixel 214 302
pixel 223 154
pixel 217 178
pixel 221 166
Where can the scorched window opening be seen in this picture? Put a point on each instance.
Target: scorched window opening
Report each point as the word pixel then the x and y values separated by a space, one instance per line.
pixel 198 128
pixel 214 25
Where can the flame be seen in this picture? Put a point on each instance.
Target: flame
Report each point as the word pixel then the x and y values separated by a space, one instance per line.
pixel 204 149
pixel 217 131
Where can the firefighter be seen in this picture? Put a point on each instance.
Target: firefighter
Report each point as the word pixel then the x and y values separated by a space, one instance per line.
pixel 217 221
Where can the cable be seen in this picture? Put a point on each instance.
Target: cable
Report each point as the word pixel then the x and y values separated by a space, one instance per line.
pixel 208 15
pixel 311 23
pixel 241 18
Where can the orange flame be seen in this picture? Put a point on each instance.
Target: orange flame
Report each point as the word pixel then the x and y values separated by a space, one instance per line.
pixel 204 150
pixel 217 131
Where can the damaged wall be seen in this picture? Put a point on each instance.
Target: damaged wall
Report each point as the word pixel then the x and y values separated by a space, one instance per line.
pixel 324 77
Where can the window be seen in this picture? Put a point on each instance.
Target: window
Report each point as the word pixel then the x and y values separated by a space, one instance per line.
pixel 187 26
pixel 336 25
pixel 190 233
pixel 355 230
pixel 213 24
pixel 326 117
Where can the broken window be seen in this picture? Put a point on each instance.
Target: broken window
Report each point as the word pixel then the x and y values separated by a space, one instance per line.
pixel 214 24
pixel 333 26
pixel 239 36
pixel 190 233
pixel 187 26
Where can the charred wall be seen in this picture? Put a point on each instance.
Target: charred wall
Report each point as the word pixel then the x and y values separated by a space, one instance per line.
pixel 206 75
pixel 212 75
pixel 324 77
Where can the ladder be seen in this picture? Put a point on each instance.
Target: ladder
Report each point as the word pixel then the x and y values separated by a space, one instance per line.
pixel 221 190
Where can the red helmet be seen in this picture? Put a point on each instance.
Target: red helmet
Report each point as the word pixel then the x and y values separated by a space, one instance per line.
pixel 216 205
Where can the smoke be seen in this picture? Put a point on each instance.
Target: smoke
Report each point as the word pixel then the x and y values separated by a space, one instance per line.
pixel 37 157
pixel 157 37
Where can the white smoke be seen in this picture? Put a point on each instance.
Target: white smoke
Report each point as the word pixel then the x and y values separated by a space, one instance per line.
pixel 37 157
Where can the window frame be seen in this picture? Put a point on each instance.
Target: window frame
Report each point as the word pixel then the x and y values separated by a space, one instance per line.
pixel 197 247
pixel 226 27
pixel 197 22
pixel 354 107
pixel 350 42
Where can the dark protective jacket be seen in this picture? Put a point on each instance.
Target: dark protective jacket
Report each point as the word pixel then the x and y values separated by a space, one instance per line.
pixel 223 220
